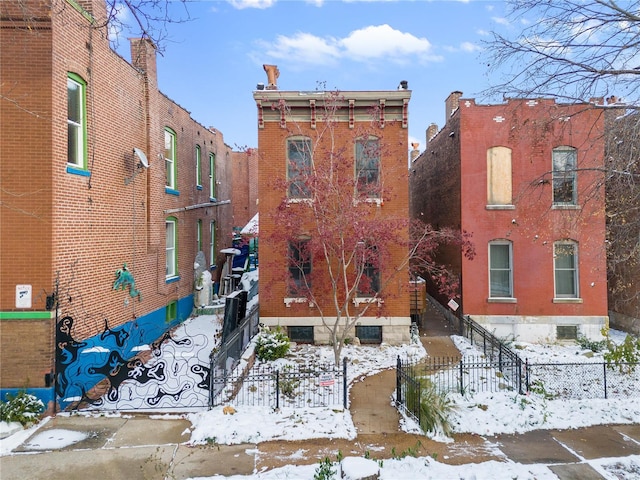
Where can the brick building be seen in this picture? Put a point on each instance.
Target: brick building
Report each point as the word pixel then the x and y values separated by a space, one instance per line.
pixel 296 129
pixel 525 179
pixel 100 172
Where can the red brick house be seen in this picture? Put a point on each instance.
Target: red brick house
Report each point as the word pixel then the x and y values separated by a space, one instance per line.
pixel 101 173
pixel 289 120
pixel 524 178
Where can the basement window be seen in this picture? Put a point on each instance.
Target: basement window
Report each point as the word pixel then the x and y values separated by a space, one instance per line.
pixel 567 332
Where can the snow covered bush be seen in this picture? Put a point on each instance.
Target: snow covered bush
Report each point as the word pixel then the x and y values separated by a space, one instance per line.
pixel 23 408
pixel 271 344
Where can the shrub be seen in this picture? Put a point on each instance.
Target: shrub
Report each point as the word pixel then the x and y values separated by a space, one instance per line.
pixel 23 408
pixel 271 345
pixel 434 407
pixel 594 345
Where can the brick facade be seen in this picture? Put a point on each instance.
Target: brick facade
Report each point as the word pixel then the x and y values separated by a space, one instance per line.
pixel 303 118
pixel 449 185
pixel 76 227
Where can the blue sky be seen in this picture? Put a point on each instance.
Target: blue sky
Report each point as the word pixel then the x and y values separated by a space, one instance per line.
pixel 211 65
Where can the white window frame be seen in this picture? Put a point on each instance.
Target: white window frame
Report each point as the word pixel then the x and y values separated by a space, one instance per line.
pixel 199 235
pixel 575 295
pixel 171 248
pixel 170 153
pixel 490 269
pixel 78 148
pixel 565 175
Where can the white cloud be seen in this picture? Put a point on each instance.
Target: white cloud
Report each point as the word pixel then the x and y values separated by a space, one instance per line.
pixel 381 41
pixel 262 4
pixel 501 20
pixel 469 47
pixel 303 48
pixel 372 43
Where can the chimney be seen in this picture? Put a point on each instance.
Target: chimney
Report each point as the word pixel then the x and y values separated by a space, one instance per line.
pixel 415 153
pixel 143 57
pixel 432 131
pixel 404 85
pixel 272 76
pixel 451 104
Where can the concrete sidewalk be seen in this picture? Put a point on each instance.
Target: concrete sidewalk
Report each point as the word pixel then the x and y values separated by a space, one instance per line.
pixel 140 447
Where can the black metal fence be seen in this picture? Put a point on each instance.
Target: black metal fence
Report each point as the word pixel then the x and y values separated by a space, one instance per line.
pixel 298 386
pixel 227 357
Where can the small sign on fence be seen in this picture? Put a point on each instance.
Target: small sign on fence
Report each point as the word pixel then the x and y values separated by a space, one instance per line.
pixel 326 379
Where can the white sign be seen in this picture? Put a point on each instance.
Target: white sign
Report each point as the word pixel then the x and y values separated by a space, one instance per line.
pixel 453 305
pixel 326 379
pixel 23 296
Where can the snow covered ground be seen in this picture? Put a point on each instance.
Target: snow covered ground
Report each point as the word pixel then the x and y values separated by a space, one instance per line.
pixel 482 413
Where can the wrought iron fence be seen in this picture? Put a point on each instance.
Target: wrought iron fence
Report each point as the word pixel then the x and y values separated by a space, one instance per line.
pixel 227 357
pixel 298 386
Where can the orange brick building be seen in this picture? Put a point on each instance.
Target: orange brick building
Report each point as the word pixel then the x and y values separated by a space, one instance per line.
pixel 288 119
pixel 99 170
pixel 525 179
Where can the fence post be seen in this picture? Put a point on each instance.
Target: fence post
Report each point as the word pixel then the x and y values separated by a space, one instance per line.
pixel 604 368
pixel 344 382
pixel 398 382
pixel 519 367
pixel 277 389
pixel 526 373
pixel 461 380
pixel 500 357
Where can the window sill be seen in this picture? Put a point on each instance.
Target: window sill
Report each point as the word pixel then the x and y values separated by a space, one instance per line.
pixel 565 206
pixel 358 300
pixel 500 207
pixel 289 300
pixel 502 300
pixel 567 300
pixel 75 170
pixel 300 200
pixel 171 191
pixel 172 279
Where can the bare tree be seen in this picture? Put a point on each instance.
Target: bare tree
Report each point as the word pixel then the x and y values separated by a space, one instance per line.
pixel 573 49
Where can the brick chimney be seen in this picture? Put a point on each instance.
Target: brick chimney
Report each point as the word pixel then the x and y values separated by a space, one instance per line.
pixel 415 151
pixel 432 131
pixel 272 76
pixel 143 57
pixel 451 104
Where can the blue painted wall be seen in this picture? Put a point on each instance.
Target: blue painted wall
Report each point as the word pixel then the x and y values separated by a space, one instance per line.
pixel 97 354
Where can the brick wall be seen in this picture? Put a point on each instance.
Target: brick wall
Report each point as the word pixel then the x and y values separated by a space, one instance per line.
pixel 79 229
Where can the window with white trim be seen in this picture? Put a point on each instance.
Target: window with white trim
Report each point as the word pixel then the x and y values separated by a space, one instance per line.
pixel 170 157
pixel 500 269
pixel 565 266
pixel 76 121
pixel 298 167
pixel 171 246
pixel 564 176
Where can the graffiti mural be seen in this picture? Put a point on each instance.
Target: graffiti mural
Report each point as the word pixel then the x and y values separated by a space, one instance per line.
pixel 172 371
